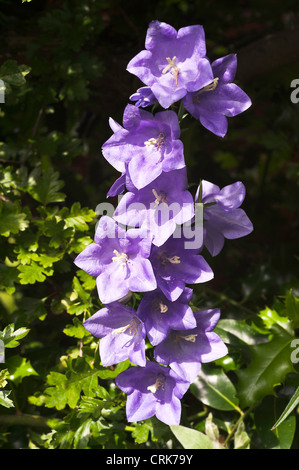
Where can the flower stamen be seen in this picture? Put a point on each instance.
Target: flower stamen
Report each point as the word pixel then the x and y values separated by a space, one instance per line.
pixel 155 387
pixel 121 258
pixel 158 142
pixel 206 88
pixel 171 66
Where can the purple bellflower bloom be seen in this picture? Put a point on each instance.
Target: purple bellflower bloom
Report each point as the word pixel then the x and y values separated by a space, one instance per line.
pixel 147 145
pixel 152 390
pixel 119 260
pixel 160 206
pixel 160 315
pixel 174 266
pixel 173 62
pixel 224 219
pixel 144 97
pixel 220 99
pixel 122 333
pixel 185 350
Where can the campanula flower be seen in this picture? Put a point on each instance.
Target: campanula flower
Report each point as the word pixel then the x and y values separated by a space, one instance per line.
pixel 160 315
pixel 175 266
pixel 152 390
pixel 122 333
pixel 119 260
pixel 185 350
pixel 213 103
pixel 223 218
pixel 160 206
pixel 146 145
pixel 173 62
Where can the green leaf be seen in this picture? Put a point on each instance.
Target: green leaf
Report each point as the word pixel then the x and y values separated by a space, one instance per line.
pixel 76 330
pixel 11 337
pixel 44 187
pixel 191 439
pixel 4 400
pixel 11 219
pixel 19 367
pixel 214 388
pixel 294 401
pixel 264 416
pixel 292 308
pixel 77 217
pixel 141 433
pixel 32 273
pixel 270 364
pixel 241 438
pixel 241 330
pixel 81 436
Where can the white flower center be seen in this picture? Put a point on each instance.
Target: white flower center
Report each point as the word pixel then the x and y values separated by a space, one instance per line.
pixel 158 142
pixel 121 258
pixel 159 383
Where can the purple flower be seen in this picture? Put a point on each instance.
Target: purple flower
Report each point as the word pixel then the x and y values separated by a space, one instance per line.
pixel 144 97
pixel 160 315
pixel 122 333
pixel 173 63
pixel 152 390
pixel 185 350
pixel 224 219
pixel 160 206
pixel 213 103
pixel 147 145
pixel 119 260
pixel 174 266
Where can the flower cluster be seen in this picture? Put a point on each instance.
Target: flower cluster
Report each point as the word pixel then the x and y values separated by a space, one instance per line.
pixel 143 247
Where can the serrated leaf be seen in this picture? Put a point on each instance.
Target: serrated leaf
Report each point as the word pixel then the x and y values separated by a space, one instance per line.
pixel 191 439
pixel 76 330
pixel 214 388
pixel 270 364
pixel 11 219
pixel 77 217
pixel 32 273
pixel 44 187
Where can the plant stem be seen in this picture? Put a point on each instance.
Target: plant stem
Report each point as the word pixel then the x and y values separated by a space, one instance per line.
pixel 235 426
pixel 21 419
pixel 229 300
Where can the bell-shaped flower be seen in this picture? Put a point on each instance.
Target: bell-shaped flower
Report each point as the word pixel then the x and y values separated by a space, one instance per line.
pixel 160 315
pixel 146 145
pixel 122 333
pixel 213 103
pixel 119 260
pixel 222 216
pixel 185 350
pixel 152 390
pixel 160 206
pixel 175 266
pixel 173 62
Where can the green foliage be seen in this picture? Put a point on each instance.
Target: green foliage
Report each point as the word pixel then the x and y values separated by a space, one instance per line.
pixel 64 74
